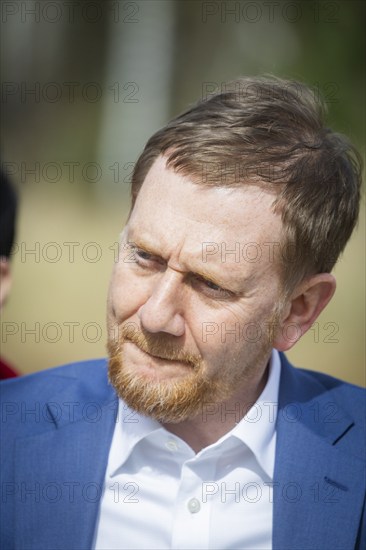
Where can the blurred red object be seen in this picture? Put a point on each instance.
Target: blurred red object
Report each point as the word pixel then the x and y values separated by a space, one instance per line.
pixel 6 371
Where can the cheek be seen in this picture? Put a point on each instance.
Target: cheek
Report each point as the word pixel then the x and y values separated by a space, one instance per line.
pixel 126 294
pixel 227 333
pixel 216 331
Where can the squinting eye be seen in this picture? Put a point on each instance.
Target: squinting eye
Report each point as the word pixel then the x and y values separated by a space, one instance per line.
pixel 135 255
pixel 145 259
pixel 213 290
pixel 142 254
pixel 212 285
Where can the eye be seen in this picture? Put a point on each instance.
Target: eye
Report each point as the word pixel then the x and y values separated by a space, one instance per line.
pixel 142 254
pixel 211 289
pixel 212 285
pixel 143 258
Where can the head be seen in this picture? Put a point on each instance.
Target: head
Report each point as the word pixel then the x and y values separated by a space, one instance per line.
pixel 253 164
pixel 8 208
pixel 270 133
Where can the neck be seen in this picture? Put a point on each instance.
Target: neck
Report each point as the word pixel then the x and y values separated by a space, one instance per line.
pixel 217 419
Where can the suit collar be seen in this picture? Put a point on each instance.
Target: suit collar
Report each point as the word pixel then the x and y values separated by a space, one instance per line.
pixel 305 401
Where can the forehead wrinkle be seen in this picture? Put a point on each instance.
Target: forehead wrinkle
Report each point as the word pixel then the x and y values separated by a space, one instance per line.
pixel 235 285
pixel 191 265
pixel 194 214
pixel 233 279
pixel 213 271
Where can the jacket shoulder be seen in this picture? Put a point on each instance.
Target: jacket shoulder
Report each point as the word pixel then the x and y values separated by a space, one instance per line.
pixel 33 403
pixel 88 374
pixel 351 397
pixel 309 383
pixel 332 407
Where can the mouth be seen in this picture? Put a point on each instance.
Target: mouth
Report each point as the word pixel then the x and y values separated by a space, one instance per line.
pixel 148 362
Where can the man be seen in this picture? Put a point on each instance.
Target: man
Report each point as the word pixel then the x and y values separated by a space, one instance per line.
pixel 240 208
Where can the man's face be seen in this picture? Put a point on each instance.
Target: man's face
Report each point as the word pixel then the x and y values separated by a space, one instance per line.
pixel 193 296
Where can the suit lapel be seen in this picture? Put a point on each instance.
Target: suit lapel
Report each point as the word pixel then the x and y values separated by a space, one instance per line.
pixel 317 487
pixel 61 472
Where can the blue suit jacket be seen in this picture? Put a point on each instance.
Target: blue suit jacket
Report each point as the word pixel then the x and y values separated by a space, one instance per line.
pixel 57 428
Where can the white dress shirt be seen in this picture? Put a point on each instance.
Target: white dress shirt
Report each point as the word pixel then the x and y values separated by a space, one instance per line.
pixel 159 493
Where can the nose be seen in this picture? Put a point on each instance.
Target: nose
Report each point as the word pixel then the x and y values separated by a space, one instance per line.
pixel 162 311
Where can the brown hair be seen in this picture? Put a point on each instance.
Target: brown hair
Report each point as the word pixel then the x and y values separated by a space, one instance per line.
pixel 270 132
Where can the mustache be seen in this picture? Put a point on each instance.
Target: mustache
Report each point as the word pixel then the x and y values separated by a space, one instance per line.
pixel 157 345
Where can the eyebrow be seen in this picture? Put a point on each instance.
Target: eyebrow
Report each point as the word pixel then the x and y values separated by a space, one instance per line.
pixel 140 242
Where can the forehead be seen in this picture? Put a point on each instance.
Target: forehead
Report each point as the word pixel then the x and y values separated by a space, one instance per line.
pixel 178 215
pixel 236 213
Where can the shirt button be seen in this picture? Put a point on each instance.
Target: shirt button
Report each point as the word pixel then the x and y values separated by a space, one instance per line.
pixel 193 505
pixel 171 445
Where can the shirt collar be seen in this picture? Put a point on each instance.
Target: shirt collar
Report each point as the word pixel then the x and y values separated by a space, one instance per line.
pixel 256 430
pixel 131 427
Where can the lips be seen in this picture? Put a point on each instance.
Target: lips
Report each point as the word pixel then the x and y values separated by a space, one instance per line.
pixel 161 360
pixel 155 356
pixel 141 348
pixel 152 368
pixel 159 347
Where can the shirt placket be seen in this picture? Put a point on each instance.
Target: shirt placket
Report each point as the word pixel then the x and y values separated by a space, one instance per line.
pixel 191 521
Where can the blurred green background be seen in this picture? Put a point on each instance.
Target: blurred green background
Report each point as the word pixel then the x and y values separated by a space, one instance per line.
pixel 84 84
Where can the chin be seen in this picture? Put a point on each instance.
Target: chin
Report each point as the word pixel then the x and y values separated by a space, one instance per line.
pixel 168 399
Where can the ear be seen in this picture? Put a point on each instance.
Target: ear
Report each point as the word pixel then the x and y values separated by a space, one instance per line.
pixel 5 280
pixel 302 309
